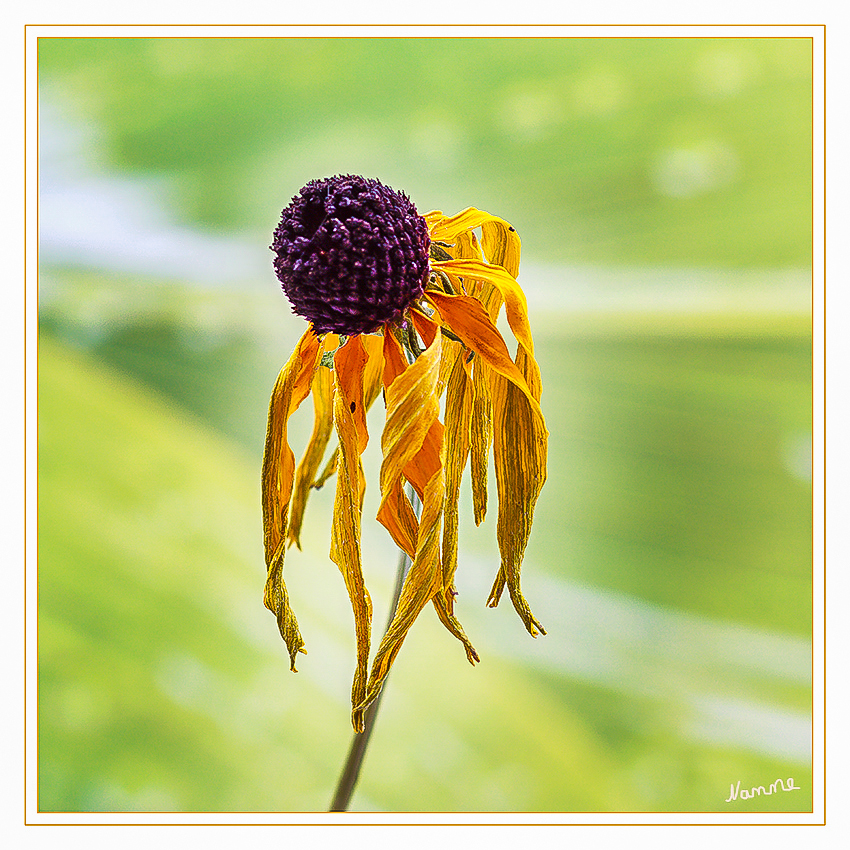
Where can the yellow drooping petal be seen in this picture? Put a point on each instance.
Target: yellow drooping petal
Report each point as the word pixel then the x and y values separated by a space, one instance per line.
pixel 521 443
pixel 305 474
pixel 349 365
pixel 480 437
pixel 371 390
pixel 519 456
pixel 423 583
pixel 519 436
pixel 481 425
pixel 458 416
pixel 291 388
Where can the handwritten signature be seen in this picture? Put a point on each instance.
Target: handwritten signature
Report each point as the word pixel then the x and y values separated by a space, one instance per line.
pixel 735 791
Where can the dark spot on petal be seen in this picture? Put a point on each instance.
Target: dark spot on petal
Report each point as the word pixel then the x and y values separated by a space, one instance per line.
pixel 353 406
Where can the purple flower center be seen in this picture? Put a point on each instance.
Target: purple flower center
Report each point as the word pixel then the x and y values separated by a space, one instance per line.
pixel 351 254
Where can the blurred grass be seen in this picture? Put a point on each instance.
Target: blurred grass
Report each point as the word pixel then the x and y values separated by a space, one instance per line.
pixel 675 456
pixel 620 151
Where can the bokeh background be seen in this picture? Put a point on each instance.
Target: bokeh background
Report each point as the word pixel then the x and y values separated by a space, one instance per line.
pixel 662 189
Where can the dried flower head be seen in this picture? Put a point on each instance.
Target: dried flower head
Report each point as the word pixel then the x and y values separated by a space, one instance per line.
pixel 404 304
pixel 352 254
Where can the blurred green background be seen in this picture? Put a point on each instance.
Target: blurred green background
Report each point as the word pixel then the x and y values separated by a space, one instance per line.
pixel 662 189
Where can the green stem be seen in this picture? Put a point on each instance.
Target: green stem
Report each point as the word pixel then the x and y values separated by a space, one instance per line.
pixel 357 751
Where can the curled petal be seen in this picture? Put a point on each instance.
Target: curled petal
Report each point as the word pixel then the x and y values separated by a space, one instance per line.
pixel 427 460
pixel 349 364
pixel 444 603
pixel 469 321
pixel 446 229
pixel 412 410
pixel 433 217
pixel 305 474
pixel 290 390
pixel 457 437
pixel 371 390
pixel 458 416
pixel 467 247
pixel 519 455
pixel 423 582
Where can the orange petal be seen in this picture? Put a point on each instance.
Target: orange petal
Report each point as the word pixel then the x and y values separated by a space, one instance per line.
pixel 350 366
pixel 425 327
pixel 394 360
pixel 427 460
pixel 396 514
pixel 372 376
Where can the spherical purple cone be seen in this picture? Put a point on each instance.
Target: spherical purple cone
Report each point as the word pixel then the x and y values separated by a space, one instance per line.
pixel 351 254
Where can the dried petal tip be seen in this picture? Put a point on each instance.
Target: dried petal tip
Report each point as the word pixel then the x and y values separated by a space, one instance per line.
pixel 351 254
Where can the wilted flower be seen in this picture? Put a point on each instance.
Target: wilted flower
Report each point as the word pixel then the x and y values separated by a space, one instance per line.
pixel 404 304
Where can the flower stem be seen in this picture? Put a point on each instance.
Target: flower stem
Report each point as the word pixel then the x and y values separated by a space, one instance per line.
pixel 357 751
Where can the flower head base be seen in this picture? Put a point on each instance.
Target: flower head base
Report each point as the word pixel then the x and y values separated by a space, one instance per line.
pixel 353 256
